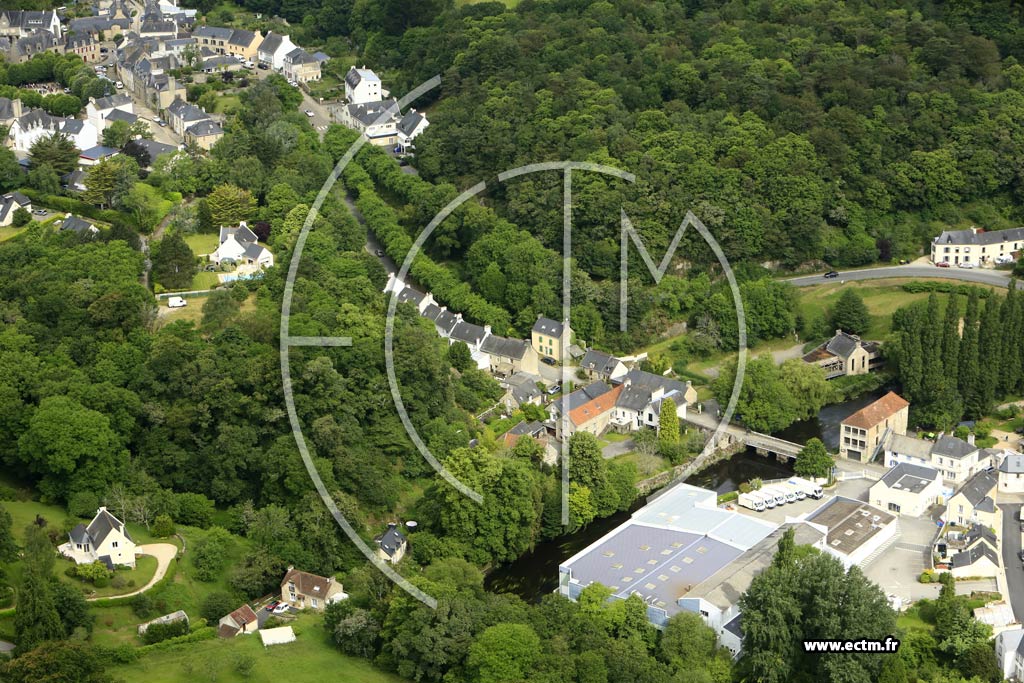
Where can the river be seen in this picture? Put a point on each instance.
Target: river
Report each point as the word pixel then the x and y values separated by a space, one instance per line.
pixel 535 574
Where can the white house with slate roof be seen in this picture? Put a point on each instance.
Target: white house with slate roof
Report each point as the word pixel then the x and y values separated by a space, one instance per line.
pixel 958 460
pixel 520 389
pixel 105 540
pixel 979 557
pixel 975 502
pixel 1011 473
pixel 240 245
pixel 378 121
pixel 273 49
pixel 79 225
pixel 11 202
pixel 907 490
pixel 975 246
pixel 362 86
pixel 392 544
pixel 411 125
pixel 99 109
pixel 37 124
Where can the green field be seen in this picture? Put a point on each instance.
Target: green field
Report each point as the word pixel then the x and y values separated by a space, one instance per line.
pixel 310 659
pixel 204 280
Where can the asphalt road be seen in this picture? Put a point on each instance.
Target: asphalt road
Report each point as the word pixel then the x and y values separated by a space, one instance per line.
pixel 985 276
pixel 1010 540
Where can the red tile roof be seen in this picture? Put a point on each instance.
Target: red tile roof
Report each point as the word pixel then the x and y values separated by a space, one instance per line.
pixel 882 409
pixel 243 615
pixel 594 407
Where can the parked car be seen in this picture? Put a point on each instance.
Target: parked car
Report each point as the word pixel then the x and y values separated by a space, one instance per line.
pixel 942 264
pixel 965 264
pixel 554 389
pixel 904 261
pixel 272 606
pixel 379 252
pixel 832 274
pixel 211 267
pixel 309 113
pixel 119 85
pixel 548 361
pixel 40 212
pixel 282 608
pixel 175 302
pixel 263 66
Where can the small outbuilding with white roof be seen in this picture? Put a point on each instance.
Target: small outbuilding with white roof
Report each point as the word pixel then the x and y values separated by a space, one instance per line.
pixel 1011 473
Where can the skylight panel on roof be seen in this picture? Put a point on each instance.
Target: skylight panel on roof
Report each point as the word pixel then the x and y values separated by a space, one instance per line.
pixel 652 562
pixel 687 560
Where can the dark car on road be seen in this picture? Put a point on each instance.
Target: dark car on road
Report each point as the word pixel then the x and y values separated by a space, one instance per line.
pixel 942 264
pixel 548 361
pixel 832 274
pixel 379 252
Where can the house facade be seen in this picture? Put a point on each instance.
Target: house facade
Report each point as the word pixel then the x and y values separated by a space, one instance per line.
pixel 505 356
pixel 362 86
pixel 392 544
pixel 908 490
pixel 300 66
pixel 977 247
pixel 975 503
pixel 550 338
pixel 26 130
pixel 861 434
pixel 1011 473
pixel 98 110
pixel 105 539
pixel 378 121
pixel 242 621
pixel 1010 653
pixel 601 365
pixel 11 202
pixel 273 48
pixel 303 590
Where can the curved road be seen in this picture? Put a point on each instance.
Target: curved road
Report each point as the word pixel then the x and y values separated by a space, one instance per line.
pixel 164 553
pixel 985 276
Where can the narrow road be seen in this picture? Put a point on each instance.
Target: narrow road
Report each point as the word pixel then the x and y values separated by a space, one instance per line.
pixel 164 553
pixel 997 278
pixel 1010 541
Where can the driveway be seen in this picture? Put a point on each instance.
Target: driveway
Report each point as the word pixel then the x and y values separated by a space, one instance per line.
pixel 617 448
pixel 164 553
pixel 1010 541
pixel 998 278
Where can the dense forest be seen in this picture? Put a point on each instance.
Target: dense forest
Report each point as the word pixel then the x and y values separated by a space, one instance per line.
pixel 801 132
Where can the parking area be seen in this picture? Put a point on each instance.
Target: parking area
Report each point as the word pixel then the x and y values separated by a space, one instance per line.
pixel 897 568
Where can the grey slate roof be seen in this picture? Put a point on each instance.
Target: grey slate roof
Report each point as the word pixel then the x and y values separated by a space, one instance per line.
pixel 98 152
pixel 908 445
pixel 368 113
pixel 907 477
pixel 6 108
pixel 121 115
pixel 548 327
pixel 155 148
pixel 300 56
pixel 271 43
pixel 204 128
pixel 980 238
pixel 242 234
pixel 446 320
pixel 581 396
pixel 599 362
pixel 952 447
pixel 101 526
pixel 634 398
pixel 980 531
pixel 75 224
pixel 215 32
pixel 970 556
pixel 504 347
pixel 468 332
pixel 410 295
pixel 525 428
pixel 1013 463
pixel 355 76
pixel 253 250
pixel 734 626
pixel 186 111
pixel 241 38
pixel 977 488
pixel 523 387
pixel 431 311
pixel 79 534
pixel 391 541
pixel 649 380
pixel 409 122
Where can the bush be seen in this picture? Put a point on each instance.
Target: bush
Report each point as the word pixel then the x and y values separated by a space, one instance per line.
pixel 927 576
pixel 101 581
pixel 95 572
pixel 142 606
pixel 744 487
pixel 216 605
pixel 210 554
pixel 163 526
pixel 244 664
pixel 157 633
pixel 118 581
pixel 21 217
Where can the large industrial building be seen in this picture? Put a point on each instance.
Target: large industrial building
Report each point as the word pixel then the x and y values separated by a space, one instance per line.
pixel 683 552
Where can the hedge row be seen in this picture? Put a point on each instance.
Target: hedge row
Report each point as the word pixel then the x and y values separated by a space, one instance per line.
pixel 944 287
pixel 78 207
pixel 198 634
pixel 442 283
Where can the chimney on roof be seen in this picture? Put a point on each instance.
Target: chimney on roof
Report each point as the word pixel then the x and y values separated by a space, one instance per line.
pixel 838 332
pixel 291 567
pixel 487 330
pixel 392 525
pixel 970 439
pixel 974 230
pixel 16 108
pixel 458 316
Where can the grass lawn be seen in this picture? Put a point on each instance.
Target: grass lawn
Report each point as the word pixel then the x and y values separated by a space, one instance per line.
pixel 205 280
pixel 646 465
pixel 204 243
pixel 224 104
pixel 9 232
pixel 310 659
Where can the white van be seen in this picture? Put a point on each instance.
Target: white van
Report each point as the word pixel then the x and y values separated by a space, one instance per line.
pixel 175 302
